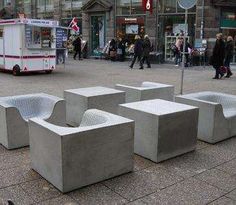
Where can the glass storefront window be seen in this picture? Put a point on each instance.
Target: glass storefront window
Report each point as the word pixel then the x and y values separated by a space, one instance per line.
pixel 167 6
pixel 129 7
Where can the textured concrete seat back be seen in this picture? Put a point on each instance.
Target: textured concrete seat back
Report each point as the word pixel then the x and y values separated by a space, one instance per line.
pixel 227 102
pixel 93 117
pixel 32 106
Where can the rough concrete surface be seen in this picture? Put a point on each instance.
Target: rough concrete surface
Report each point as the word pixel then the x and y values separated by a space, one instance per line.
pixel 204 176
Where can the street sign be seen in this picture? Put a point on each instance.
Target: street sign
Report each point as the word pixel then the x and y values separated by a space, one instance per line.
pixel 187 4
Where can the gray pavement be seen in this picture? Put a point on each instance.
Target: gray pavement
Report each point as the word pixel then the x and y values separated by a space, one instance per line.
pixel 205 176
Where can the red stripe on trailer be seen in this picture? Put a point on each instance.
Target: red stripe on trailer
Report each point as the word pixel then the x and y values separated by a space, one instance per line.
pixel 27 57
pixel 7 22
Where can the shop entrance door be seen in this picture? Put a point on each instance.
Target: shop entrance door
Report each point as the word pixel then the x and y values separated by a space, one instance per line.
pixel 97 34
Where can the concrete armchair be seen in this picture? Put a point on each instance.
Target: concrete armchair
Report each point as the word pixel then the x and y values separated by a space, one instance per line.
pixel 70 158
pixel 15 111
pixel 147 91
pixel 217 114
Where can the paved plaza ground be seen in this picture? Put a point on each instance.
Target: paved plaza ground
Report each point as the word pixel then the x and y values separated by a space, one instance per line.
pixel 205 176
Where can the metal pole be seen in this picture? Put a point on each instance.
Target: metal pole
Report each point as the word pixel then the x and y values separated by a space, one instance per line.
pixel 183 53
pixel 202 30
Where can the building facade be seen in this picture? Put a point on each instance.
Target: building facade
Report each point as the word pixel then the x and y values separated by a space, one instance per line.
pixel 102 20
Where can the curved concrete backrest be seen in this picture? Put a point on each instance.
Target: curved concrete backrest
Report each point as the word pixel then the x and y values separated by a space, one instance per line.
pixel 31 105
pixel 227 101
pixel 93 117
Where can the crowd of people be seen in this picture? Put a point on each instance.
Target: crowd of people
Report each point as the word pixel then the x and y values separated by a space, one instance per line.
pixel 222 56
pixel 141 50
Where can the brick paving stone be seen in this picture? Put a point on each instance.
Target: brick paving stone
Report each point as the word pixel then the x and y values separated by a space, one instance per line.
pixel 229 167
pixel 232 195
pixel 17 175
pixel 62 200
pixel 40 190
pixel 138 184
pixel 219 179
pixel 142 163
pixel 97 194
pixel 223 201
pixel 16 194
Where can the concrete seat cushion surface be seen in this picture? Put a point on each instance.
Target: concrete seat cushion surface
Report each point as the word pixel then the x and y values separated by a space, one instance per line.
pixel 217 114
pixel 70 158
pixel 146 91
pixel 15 111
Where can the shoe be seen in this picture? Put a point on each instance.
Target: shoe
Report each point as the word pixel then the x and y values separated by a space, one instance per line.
pixel 221 75
pixel 149 67
pixel 228 75
pixel 130 67
pixel 215 78
pixel 141 68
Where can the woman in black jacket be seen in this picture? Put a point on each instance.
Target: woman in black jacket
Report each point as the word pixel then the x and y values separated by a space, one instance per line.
pixel 229 51
pixel 138 51
pixel 218 56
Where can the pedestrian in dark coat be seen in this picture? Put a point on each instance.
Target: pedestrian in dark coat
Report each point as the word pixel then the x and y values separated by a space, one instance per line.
pixel 121 50
pixel 77 47
pixel 146 51
pixel 138 51
pixel 112 50
pixel 229 52
pixel 218 56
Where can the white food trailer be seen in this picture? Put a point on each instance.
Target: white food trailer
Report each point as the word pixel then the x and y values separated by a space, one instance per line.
pixel 28 45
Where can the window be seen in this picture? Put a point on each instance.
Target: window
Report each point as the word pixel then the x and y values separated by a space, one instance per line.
pixel 129 7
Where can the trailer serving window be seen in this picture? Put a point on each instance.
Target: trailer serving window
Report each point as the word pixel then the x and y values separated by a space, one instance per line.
pixel 38 37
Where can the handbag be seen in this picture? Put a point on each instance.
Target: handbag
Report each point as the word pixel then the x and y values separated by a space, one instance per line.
pixel 223 69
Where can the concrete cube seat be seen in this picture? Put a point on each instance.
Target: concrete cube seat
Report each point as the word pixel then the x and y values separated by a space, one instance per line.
pixel 163 129
pixel 217 115
pixel 15 112
pixel 81 99
pixel 70 158
pixel 147 91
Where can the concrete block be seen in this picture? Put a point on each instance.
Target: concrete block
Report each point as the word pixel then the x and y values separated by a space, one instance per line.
pixel 147 91
pixel 70 158
pixel 82 99
pixel 163 129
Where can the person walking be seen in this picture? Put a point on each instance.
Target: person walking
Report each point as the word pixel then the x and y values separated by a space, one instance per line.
pixel 121 49
pixel 146 51
pixel 138 51
pixel 218 56
pixel 77 47
pixel 179 48
pixel 112 50
pixel 229 50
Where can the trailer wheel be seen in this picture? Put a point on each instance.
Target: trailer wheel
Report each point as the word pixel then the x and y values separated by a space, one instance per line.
pixel 48 71
pixel 16 70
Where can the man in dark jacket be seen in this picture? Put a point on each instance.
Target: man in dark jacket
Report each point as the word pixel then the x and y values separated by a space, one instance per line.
pixel 77 47
pixel 218 56
pixel 229 52
pixel 146 50
pixel 138 51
